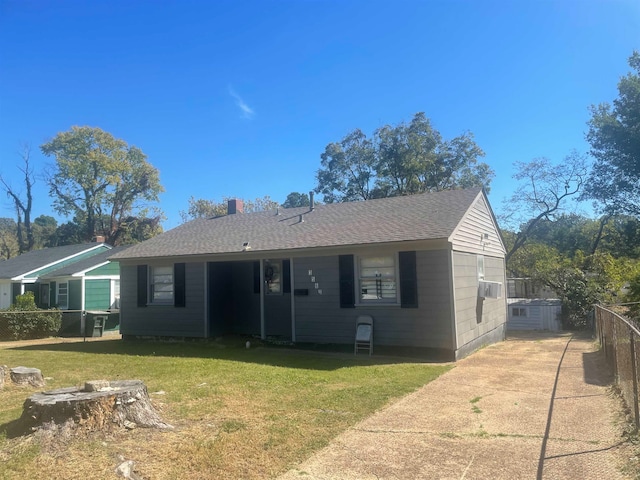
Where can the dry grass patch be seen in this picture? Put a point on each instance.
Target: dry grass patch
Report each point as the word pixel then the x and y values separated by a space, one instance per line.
pixel 238 413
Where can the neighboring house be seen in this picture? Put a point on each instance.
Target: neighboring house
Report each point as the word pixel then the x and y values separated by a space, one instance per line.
pixel 534 314
pixel 428 268
pixel 22 273
pixel 527 288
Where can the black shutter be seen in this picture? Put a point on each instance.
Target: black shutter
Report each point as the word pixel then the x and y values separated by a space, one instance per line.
pixel 142 285
pixel 347 289
pixel 179 285
pixel 286 276
pixel 256 277
pixel 408 280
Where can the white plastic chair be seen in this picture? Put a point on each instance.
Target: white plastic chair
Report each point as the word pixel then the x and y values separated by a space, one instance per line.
pixel 364 334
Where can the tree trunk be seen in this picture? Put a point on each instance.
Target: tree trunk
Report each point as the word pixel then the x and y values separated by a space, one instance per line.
pixel 100 405
pixel 27 376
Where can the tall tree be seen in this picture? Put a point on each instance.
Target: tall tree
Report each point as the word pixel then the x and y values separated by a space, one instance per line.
pixel 23 203
pixel 296 199
pixel 400 160
pixel 614 136
pixel 97 175
pixel 347 169
pixel 8 238
pixel 44 231
pixel 203 208
pixel 542 195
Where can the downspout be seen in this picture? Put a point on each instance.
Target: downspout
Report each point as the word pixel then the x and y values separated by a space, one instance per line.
pixel 293 302
pixel 207 300
pixel 263 335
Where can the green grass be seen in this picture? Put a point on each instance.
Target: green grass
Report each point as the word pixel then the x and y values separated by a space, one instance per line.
pixel 238 413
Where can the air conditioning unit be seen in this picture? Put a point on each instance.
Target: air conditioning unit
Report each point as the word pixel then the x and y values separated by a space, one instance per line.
pixel 487 289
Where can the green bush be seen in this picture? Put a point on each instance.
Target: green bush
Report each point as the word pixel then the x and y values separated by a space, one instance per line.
pixel 24 320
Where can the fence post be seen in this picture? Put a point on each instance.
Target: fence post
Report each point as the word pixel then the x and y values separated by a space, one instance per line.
pixel 634 372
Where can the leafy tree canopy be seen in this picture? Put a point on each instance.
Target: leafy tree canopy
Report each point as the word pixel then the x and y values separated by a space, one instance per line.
pixel 98 176
pixel 399 160
pixel 614 136
pixel 296 199
pixel 203 208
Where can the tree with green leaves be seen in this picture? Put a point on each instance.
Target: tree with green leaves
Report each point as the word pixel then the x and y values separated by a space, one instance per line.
pixel 8 238
pixel 400 160
pixel 542 194
pixel 614 136
pixel 203 208
pixel 297 199
pixel 98 176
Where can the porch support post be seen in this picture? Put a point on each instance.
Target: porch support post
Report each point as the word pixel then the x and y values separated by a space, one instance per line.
pixel 263 335
pixel 293 302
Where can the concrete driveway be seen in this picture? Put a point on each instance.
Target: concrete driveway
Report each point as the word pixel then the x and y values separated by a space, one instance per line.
pixel 536 406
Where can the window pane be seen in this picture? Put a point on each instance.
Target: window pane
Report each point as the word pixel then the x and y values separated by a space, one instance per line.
pixel 161 280
pixel 378 279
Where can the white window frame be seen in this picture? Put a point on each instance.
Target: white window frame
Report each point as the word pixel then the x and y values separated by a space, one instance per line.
pixel 359 278
pixel 115 294
pixel 154 279
pixel 65 305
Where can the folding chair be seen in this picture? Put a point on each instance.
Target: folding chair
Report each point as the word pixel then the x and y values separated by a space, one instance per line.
pixel 364 334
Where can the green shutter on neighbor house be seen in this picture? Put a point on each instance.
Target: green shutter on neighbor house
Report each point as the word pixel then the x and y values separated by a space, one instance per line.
pixel 347 281
pixel 75 295
pixel 179 285
pixel 408 279
pixel 142 285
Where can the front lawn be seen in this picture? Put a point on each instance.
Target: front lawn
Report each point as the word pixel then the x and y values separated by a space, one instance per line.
pixel 238 413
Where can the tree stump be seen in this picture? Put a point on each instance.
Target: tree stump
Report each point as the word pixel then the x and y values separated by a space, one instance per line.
pixel 100 405
pixel 27 376
pixel 3 373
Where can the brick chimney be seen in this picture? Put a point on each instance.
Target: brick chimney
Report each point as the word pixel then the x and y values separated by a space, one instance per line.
pixel 234 205
pixel 100 238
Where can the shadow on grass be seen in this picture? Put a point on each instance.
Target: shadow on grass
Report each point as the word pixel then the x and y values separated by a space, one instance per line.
pixel 307 356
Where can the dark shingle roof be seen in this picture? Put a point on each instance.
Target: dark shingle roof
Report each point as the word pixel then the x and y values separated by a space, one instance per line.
pixel 415 217
pixel 37 259
pixel 85 263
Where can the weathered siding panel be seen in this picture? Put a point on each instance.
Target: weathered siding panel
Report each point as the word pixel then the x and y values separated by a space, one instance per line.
pixel 97 294
pixel 320 319
pixel 163 320
pixel 475 316
pixel 468 236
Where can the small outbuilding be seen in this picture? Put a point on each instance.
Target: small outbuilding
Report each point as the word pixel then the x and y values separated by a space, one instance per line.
pixel 428 268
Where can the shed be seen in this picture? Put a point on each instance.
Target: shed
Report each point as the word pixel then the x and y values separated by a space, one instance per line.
pixel 534 314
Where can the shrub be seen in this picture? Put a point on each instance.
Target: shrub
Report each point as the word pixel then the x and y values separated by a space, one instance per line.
pixel 24 320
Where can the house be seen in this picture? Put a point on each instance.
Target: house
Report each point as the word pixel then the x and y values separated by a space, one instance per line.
pixel 534 314
pixel 91 284
pixel 22 273
pixel 428 268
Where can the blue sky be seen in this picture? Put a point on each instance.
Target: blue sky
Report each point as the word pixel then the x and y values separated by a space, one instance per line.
pixel 240 98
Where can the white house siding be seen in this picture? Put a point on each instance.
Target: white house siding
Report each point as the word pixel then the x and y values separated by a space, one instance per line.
pixel 468 236
pixel 479 321
pixel 540 314
pixel 319 318
pixel 163 320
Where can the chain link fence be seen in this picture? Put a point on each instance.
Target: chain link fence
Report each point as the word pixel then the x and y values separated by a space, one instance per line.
pixel 619 338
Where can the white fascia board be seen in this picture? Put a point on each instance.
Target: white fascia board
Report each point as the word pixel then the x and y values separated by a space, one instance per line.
pixel 20 277
pixel 83 272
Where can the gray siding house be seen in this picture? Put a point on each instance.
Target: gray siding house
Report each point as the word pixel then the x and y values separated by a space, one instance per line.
pixel 428 268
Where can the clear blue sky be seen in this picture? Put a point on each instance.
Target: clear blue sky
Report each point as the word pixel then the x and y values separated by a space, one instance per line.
pixel 240 98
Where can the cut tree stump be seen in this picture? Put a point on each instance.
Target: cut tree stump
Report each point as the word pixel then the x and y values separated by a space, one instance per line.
pixel 3 373
pixel 27 376
pixel 100 405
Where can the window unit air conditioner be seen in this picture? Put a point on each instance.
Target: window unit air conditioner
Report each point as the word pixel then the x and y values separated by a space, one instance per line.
pixel 487 289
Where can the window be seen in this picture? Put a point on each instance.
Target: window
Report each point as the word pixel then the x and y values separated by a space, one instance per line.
pixel 115 289
pixel 377 279
pixel 518 312
pixel 161 284
pixel 63 295
pixel 272 277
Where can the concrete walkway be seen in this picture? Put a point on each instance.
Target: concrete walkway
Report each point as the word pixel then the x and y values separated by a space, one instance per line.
pixel 536 406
